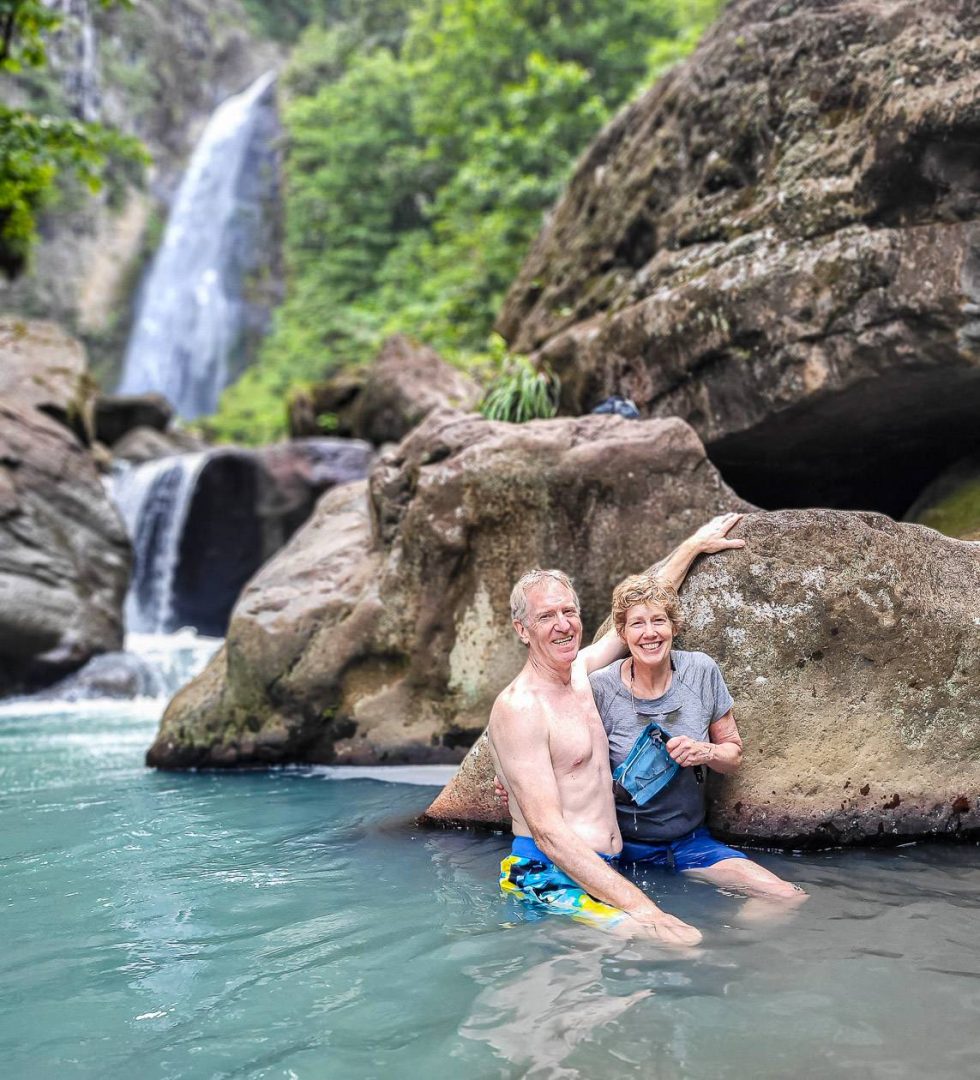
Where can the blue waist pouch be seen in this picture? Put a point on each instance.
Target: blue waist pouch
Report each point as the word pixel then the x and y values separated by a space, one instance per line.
pixel 648 768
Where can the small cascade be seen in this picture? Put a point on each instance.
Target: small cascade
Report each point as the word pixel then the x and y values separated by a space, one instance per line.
pixel 153 500
pixel 152 668
pixel 192 312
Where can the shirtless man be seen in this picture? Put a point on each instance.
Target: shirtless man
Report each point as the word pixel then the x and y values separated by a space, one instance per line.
pixel 550 751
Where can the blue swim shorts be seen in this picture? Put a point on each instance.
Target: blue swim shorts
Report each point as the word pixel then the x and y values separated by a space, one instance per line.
pixel 696 851
pixel 528 875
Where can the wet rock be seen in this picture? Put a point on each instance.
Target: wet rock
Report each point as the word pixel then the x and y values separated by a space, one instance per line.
pixel 381 632
pixel 118 414
pixel 383 403
pixel 851 645
pixel 64 556
pixel 148 444
pixel 112 676
pixel 780 243
pixel 43 367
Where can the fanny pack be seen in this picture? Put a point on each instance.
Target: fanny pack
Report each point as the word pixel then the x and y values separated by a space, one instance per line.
pixel 648 768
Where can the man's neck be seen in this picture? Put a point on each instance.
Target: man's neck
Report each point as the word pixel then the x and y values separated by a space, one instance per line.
pixel 550 674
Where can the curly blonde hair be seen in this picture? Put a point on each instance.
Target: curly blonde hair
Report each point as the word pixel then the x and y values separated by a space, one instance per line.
pixel 646 589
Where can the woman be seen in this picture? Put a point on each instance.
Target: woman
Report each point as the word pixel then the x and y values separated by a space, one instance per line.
pixel 684 697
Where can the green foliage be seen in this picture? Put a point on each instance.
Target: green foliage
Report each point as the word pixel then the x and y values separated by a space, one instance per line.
pixel 425 141
pixel 35 150
pixel 520 392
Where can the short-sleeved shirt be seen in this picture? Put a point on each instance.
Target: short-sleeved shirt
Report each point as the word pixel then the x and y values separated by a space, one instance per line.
pixel 696 698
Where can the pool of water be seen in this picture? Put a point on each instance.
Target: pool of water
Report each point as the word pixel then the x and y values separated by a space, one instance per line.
pixel 295 923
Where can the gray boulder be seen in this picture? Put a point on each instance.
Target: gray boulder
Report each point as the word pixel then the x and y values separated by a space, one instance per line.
pixel 64 555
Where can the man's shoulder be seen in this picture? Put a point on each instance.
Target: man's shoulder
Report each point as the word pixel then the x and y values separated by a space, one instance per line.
pixel 517 700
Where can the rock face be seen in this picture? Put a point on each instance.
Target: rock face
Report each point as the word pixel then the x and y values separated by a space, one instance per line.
pixel 64 556
pixel 404 384
pixel 382 631
pixel 780 243
pixel 118 414
pixel 43 367
pixel 851 645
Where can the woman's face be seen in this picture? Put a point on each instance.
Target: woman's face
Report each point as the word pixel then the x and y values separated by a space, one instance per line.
pixel 648 633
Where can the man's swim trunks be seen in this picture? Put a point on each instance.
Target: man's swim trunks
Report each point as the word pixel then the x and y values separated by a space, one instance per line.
pixel 696 851
pixel 529 875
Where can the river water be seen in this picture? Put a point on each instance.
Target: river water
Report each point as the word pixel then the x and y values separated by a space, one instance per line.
pixel 295 923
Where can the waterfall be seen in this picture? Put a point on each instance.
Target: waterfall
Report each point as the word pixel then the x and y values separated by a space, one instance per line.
pixel 153 500
pixel 191 312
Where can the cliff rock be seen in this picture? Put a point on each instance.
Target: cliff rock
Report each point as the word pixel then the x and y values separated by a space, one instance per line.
pixel 780 243
pixel 64 556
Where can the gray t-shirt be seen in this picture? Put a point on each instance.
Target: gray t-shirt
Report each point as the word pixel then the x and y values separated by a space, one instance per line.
pixel 696 698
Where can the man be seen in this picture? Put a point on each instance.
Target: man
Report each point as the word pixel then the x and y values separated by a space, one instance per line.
pixel 550 751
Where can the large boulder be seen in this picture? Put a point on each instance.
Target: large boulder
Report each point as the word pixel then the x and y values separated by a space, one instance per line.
pixel 64 556
pixel 382 631
pixel 385 401
pixel 47 369
pixel 851 644
pixel 780 243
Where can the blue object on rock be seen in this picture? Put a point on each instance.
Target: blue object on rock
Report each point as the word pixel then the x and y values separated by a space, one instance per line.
pixel 619 406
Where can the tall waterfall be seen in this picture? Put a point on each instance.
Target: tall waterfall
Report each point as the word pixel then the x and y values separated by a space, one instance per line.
pixel 153 500
pixel 191 312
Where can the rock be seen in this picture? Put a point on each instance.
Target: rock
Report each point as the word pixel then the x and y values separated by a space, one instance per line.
pixel 64 556
pixel 148 444
pixel 232 510
pixel 112 676
pixel 382 404
pixel 118 414
pixel 381 632
pixel 780 243
pixel 851 646
pixel 45 368
pixel 951 503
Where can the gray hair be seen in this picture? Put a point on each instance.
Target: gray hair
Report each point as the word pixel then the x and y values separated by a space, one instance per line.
pixel 518 595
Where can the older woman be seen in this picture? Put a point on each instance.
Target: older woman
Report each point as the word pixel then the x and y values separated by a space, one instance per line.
pixel 681 699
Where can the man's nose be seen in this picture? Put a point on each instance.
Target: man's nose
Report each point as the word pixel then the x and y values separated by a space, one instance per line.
pixel 563 622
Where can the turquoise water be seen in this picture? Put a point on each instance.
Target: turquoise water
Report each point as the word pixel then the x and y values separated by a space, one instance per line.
pixel 292 924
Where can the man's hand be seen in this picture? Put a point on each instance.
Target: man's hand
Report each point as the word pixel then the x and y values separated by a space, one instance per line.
pixel 713 536
pixel 667 929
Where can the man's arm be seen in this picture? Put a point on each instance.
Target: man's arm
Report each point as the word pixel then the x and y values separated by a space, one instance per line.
pixel 710 538
pixel 521 746
pixel 722 752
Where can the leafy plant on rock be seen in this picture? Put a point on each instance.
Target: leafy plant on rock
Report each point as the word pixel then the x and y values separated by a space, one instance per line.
pixel 520 391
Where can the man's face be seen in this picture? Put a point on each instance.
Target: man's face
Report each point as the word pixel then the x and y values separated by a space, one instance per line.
pixel 648 633
pixel 554 629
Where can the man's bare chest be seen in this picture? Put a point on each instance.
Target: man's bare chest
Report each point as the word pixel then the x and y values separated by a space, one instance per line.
pixel 576 737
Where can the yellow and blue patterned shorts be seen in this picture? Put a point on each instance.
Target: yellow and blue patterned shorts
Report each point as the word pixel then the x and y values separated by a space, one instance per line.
pixel 528 875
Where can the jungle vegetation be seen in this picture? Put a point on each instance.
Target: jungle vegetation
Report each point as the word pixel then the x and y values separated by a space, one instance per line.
pixel 425 139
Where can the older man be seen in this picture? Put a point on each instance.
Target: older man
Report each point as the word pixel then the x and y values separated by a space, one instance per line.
pixel 550 750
